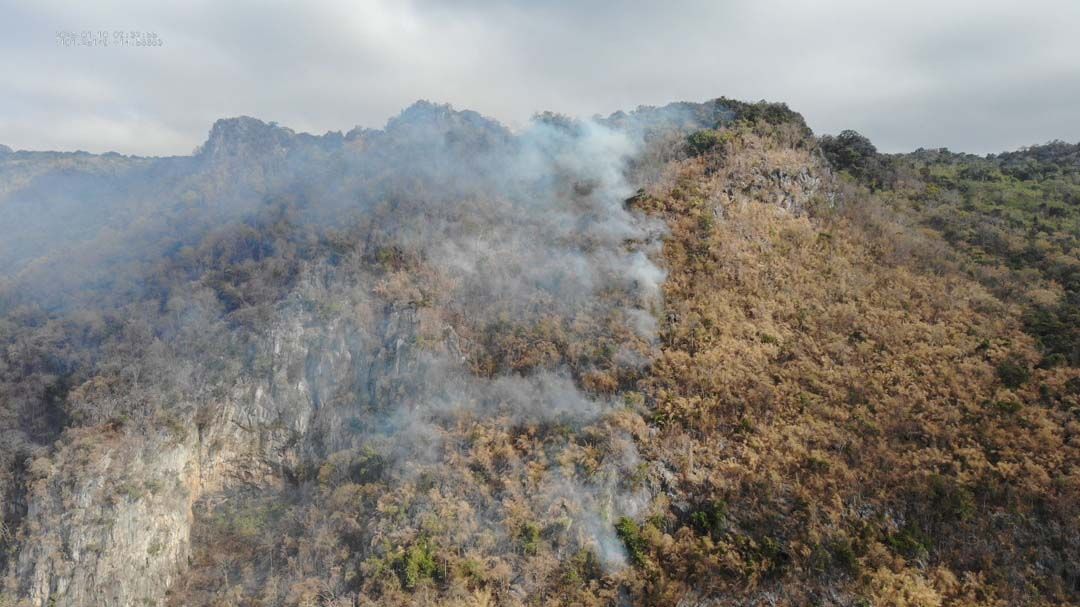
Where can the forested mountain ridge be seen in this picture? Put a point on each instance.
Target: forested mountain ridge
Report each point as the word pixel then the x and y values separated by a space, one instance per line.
pixel 682 355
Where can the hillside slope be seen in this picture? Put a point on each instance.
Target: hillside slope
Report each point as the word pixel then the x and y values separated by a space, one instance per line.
pixel 685 355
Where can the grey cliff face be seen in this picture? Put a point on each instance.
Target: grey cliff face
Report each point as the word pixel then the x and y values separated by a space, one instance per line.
pixel 109 521
pixel 252 367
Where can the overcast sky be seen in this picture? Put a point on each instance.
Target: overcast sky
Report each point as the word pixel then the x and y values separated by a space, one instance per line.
pixel 977 76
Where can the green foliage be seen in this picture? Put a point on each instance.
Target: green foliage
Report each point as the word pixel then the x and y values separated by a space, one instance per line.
pixel 711 518
pixel 245 520
pixel 949 501
pixel 1017 213
pixel 773 114
pixel 630 534
pixel 529 537
pixel 583 567
pixel 363 465
pixel 1057 328
pixel 843 555
pixel 849 151
pixel 417 564
pixel 1013 373
pixel 1009 406
pixel 701 142
pixel 836 555
pixel 472 569
pixel 910 542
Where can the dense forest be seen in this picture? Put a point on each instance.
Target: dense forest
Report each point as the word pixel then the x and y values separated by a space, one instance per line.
pixel 687 355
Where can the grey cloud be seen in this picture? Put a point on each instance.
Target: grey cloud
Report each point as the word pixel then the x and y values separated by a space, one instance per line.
pixel 973 76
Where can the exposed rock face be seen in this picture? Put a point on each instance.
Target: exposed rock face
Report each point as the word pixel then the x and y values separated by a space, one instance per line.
pixel 239 139
pixel 110 509
pixel 108 523
pixel 110 515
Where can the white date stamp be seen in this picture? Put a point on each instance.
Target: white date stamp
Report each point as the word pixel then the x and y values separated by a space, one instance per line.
pixel 107 38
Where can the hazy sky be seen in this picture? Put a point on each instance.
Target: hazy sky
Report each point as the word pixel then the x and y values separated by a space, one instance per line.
pixel 976 76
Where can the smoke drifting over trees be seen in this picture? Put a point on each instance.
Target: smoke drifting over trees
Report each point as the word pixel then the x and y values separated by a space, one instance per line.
pixel 688 353
pixel 375 290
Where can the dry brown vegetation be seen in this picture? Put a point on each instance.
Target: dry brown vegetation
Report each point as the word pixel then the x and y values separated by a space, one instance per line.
pixel 827 422
pixel 834 414
pixel 834 409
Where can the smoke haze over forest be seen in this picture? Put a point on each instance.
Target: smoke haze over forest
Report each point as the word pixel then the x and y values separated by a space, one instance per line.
pixel 551 334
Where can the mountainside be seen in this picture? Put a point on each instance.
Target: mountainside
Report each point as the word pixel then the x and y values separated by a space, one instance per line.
pixel 688 355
